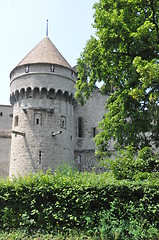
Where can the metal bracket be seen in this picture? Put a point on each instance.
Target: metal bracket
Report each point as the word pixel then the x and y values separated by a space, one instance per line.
pixel 54 134
pixel 19 133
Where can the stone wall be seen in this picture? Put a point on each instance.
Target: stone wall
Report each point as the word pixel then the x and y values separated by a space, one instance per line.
pixel 5 138
pixel 90 114
pixel 39 75
pixel 6 114
pixel 5 143
pixel 43 131
pixel 42 112
pixel 41 147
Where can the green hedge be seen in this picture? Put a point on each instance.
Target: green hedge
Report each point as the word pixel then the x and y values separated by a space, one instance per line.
pixel 95 203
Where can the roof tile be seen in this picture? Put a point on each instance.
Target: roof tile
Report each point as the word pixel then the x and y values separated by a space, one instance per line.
pixel 45 52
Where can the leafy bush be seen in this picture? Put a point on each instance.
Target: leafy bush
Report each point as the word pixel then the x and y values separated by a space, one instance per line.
pixel 129 165
pixel 20 234
pixel 97 204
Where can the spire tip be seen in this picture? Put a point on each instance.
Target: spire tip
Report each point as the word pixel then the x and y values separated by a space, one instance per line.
pixel 47 28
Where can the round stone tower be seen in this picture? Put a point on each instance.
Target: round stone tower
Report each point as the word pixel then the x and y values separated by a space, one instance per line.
pixel 42 90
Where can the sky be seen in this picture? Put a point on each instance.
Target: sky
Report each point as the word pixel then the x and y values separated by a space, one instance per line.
pixel 23 26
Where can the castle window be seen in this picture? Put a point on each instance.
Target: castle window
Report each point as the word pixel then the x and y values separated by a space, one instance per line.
pixel 93 132
pixel 80 128
pixel 52 68
pixel 79 159
pixel 26 68
pixel 1 114
pixel 40 157
pixel 63 122
pixel 38 119
pixel 16 121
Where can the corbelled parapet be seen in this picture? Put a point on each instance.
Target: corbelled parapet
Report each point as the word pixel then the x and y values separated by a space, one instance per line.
pixel 42 90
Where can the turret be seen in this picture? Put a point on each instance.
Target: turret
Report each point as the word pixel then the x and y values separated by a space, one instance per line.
pixel 42 90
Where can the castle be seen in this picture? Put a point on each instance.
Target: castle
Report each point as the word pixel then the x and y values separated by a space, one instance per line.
pixel 44 126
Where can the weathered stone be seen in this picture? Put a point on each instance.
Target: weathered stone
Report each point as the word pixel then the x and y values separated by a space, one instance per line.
pixel 48 128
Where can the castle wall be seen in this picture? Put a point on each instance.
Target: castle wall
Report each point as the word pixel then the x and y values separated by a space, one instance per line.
pixel 5 144
pixel 45 126
pixel 5 138
pixel 39 75
pixel 38 148
pixel 85 160
pixel 35 147
pixel 42 120
pixel 6 116
pixel 90 115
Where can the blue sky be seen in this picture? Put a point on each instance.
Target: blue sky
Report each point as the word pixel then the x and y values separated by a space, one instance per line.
pixel 23 25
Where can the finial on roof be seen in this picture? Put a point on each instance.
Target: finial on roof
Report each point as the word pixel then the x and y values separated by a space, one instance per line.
pixel 47 28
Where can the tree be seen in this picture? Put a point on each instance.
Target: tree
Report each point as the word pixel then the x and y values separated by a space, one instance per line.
pixel 133 165
pixel 124 55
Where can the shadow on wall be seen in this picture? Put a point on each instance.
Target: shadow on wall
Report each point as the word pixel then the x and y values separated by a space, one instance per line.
pixel 34 167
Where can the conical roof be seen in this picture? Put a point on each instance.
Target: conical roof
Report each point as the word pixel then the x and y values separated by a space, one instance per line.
pixel 45 52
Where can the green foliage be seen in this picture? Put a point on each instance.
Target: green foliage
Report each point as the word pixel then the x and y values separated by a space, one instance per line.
pixel 129 165
pixel 20 234
pixel 124 54
pixel 124 227
pixel 95 204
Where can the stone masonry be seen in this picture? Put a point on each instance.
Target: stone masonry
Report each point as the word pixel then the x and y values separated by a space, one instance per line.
pixel 44 126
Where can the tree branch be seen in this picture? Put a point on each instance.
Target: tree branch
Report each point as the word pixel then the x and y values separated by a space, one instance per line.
pixel 153 15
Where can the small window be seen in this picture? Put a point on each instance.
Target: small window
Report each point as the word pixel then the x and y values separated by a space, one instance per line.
pixel 40 155
pixel 1 114
pixel 38 119
pixel 93 132
pixel 79 158
pixel 52 68
pixel 26 68
pixel 80 128
pixel 16 121
pixel 63 122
